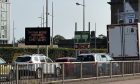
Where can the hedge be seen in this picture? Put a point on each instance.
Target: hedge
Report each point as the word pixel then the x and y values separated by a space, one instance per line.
pixel 9 54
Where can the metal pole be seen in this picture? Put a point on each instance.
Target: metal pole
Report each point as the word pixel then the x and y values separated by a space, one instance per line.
pixel 13 35
pixel 83 15
pixel 46 13
pixel 52 25
pixel 38 49
pixel 95 36
pixel 46 24
pixel 43 16
pixel 124 11
pixel 75 40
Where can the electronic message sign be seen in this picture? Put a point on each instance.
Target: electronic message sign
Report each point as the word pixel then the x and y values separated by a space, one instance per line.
pixel 82 36
pixel 37 36
pixel 82 40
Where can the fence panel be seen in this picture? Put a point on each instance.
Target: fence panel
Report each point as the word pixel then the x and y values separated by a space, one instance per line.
pixel 39 73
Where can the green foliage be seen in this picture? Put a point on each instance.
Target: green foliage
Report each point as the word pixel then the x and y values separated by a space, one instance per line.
pixel 99 50
pixel 57 38
pixel 9 54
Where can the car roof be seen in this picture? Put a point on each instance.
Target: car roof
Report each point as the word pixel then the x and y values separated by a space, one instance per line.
pixel 91 53
pixel 24 56
pixel 27 55
pixel 66 58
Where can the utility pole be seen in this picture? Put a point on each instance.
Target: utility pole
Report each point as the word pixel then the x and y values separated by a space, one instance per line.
pixel 52 26
pixel 13 34
pixel 95 36
pixel 83 13
pixel 46 24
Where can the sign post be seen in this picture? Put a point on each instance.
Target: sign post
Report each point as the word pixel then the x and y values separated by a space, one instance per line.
pixel 37 36
pixel 82 41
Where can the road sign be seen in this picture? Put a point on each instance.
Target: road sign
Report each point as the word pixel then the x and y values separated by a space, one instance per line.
pixel 37 36
pixel 82 36
pixel 82 45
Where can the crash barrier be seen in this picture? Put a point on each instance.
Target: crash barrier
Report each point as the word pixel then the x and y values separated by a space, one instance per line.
pixel 44 73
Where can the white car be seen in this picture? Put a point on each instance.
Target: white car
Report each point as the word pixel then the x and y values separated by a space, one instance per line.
pixel 6 71
pixel 90 65
pixel 37 64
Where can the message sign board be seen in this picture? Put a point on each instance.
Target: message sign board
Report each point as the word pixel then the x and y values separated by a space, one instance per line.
pixel 82 36
pixel 82 45
pixel 37 36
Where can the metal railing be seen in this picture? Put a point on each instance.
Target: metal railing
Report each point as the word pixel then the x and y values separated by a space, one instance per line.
pixel 67 72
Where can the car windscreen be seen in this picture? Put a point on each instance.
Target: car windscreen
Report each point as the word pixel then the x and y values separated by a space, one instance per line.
pixel 23 59
pixel 65 60
pixel 2 61
pixel 84 58
pixel 61 60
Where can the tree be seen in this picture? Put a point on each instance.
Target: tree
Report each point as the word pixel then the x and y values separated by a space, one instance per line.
pixel 57 38
pixel 21 40
pixel 101 36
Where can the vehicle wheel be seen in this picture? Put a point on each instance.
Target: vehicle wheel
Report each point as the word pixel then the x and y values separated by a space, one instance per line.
pixel 11 76
pixel 38 73
pixel 57 72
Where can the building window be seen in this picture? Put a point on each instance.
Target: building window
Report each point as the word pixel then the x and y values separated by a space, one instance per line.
pixel 2 36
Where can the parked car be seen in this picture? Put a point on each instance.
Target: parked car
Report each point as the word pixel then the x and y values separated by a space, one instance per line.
pixel 6 71
pixel 100 61
pixel 37 64
pixel 69 67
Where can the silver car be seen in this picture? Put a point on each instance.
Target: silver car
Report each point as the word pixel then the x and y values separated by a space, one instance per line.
pixel 35 64
pixel 93 63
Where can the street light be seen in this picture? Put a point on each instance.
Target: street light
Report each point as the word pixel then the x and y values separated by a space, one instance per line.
pixel 83 13
pixel 46 24
pixel 46 13
pixel 52 15
pixel 52 26
pixel 41 21
pixel 13 34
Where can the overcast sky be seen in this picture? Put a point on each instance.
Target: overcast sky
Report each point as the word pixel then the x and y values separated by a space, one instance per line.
pixel 25 13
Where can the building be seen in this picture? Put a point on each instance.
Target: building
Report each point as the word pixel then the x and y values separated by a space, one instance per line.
pixel 125 11
pixel 4 21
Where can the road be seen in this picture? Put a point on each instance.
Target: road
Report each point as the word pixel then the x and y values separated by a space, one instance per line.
pixel 134 81
pixel 129 81
pixel 114 80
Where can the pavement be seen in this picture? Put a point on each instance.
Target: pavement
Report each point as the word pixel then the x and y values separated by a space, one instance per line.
pixel 129 80
pixel 133 81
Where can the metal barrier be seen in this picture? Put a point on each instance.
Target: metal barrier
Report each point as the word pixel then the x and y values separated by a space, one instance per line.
pixel 70 71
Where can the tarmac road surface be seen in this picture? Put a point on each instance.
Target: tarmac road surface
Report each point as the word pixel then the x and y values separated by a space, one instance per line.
pixel 130 81
pixel 134 81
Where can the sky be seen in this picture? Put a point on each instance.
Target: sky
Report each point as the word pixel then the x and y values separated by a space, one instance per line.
pixel 26 13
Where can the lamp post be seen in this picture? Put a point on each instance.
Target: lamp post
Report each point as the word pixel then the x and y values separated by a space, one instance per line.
pixel 52 26
pixel 13 35
pixel 83 13
pixel 38 50
pixel 52 16
pixel 46 24
pixel 46 13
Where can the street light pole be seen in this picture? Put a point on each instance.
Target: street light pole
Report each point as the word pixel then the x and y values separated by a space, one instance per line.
pixel 46 13
pixel 38 49
pixel 46 24
pixel 52 25
pixel 83 13
pixel 13 35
